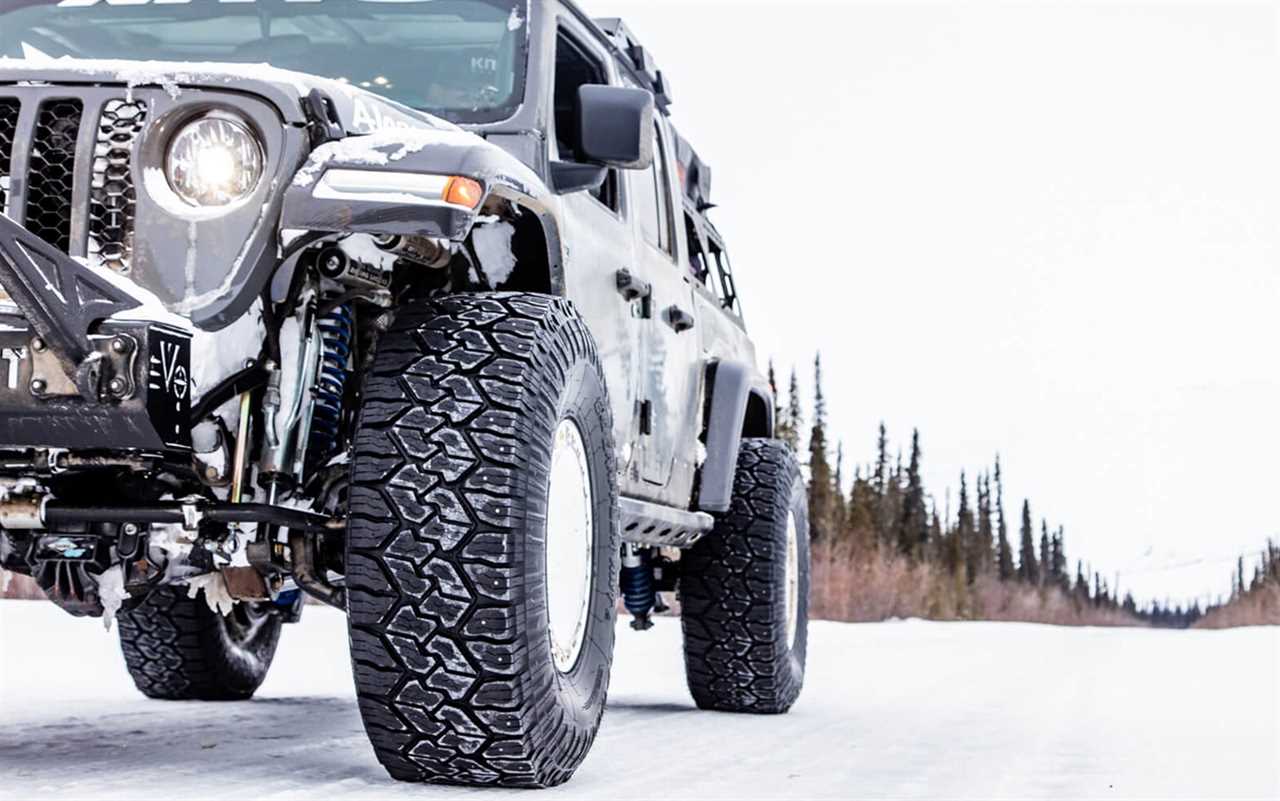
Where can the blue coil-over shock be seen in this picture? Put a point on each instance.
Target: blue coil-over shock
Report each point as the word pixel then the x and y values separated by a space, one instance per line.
pixel 336 330
pixel 639 595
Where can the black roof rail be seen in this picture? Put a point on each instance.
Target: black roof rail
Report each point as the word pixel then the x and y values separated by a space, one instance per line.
pixel 639 64
pixel 628 48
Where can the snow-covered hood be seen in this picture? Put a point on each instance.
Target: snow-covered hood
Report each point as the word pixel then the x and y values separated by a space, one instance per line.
pixel 358 110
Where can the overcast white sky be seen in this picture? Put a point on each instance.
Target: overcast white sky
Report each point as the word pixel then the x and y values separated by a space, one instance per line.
pixel 1047 229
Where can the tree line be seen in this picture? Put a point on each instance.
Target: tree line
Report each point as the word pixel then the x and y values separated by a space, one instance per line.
pixel 1253 601
pixel 887 513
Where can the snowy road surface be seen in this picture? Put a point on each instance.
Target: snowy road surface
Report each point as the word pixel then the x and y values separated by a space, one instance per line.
pixel 890 710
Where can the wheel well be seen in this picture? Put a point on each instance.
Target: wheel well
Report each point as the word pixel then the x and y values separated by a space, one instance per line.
pixel 535 270
pixel 758 420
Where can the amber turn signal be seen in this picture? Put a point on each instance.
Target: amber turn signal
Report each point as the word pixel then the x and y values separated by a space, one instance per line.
pixel 463 192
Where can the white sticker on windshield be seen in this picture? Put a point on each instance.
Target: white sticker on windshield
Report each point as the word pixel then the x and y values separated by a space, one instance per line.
pixel 33 53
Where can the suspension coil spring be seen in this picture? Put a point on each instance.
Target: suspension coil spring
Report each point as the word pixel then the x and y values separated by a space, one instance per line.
pixel 639 595
pixel 336 330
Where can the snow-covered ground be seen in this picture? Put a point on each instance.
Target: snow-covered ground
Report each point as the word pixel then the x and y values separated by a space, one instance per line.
pixel 910 709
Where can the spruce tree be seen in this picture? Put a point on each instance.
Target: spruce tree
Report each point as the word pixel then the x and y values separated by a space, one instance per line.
pixel 937 537
pixel 913 523
pixel 1046 556
pixel 984 541
pixel 961 544
pixel 1004 553
pixel 839 478
pixel 862 511
pixel 1028 570
pixel 821 483
pixel 794 416
pixel 891 504
pixel 1060 560
pixel 840 511
pixel 887 494
pixel 780 424
pixel 880 478
pixel 819 397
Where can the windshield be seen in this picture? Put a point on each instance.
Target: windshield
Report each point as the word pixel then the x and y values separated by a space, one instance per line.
pixel 460 59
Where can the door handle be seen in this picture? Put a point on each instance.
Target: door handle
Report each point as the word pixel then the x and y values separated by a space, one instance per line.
pixel 679 319
pixel 630 287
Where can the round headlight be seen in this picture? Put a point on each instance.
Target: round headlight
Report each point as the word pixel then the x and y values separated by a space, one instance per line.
pixel 213 162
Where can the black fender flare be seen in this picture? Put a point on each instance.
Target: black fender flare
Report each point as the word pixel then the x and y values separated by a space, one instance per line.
pixel 731 392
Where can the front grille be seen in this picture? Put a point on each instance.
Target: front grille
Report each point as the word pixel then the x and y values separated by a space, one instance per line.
pixel 66 169
pixel 51 178
pixel 9 108
pixel 113 199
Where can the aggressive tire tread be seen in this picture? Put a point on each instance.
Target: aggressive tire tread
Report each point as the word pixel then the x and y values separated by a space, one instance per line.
pixel 176 648
pixel 446 466
pixel 732 595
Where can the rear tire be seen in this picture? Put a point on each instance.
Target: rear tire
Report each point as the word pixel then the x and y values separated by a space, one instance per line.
pixel 744 590
pixel 462 672
pixel 177 648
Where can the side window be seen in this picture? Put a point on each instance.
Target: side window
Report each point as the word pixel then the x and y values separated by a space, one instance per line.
pixel 719 261
pixel 653 204
pixel 575 67
pixel 697 259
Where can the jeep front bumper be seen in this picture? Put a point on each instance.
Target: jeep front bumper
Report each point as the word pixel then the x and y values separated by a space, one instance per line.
pixel 75 372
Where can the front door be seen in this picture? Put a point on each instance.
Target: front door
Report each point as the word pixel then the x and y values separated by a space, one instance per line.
pixel 668 395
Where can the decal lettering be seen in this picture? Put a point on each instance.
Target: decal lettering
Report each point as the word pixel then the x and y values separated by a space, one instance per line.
pixel 13 357
pixel 175 375
pixel 367 117
pixel 172 374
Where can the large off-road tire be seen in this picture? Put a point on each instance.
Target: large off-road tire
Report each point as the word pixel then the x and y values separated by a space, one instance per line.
pixel 744 590
pixel 177 648
pixel 473 517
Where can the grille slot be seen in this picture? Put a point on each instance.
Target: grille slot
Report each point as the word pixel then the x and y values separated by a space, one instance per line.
pixel 51 178
pixel 113 198
pixel 9 108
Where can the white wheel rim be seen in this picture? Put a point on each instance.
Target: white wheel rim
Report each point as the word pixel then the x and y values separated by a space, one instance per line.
pixel 793 580
pixel 568 545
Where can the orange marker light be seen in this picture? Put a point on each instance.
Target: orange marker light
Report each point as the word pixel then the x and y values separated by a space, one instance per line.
pixel 463 192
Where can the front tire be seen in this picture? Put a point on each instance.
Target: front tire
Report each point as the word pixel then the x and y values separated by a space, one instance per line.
pixel 178 649
pixel 478 414
pixel 744 590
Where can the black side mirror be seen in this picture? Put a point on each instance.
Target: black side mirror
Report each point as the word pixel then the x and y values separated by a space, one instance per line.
pixel 615 126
